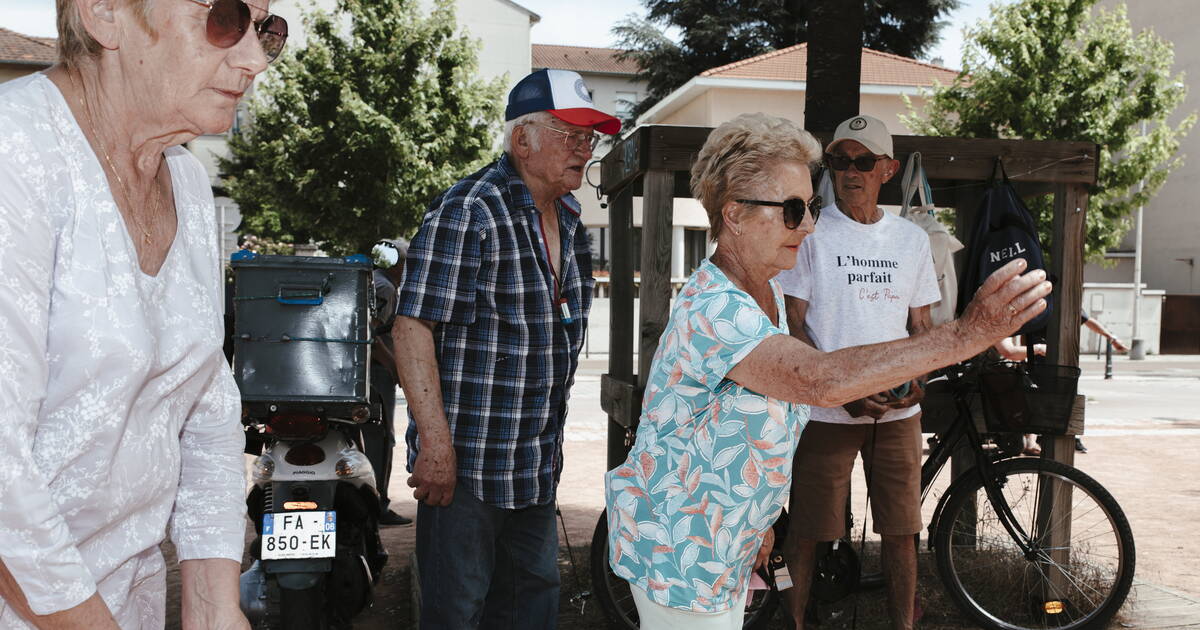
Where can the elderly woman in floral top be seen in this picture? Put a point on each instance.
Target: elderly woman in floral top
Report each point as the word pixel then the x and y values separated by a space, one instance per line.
pixel 690 510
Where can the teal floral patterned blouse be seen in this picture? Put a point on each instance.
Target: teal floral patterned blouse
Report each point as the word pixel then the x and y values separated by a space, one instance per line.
pixel 711 467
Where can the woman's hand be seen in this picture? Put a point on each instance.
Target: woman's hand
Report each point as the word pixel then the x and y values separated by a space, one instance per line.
pixel 764 550
pixel 1005 301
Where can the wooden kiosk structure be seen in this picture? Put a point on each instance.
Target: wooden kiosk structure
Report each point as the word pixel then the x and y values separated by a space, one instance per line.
pixel 654 163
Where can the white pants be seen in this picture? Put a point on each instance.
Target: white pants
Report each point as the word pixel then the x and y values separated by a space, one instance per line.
pixel 655 616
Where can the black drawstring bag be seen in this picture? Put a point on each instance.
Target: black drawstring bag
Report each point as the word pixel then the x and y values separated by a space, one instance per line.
pixel 1005 230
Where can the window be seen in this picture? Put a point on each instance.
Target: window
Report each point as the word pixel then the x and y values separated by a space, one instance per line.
pixel 624 103
pixel 695 248
pixel 598 240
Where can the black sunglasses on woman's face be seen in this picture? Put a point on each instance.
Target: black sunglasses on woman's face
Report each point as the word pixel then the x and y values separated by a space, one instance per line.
pixel 228 21
pixel 793 209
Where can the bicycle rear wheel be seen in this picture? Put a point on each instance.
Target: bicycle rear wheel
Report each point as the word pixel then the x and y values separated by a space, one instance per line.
pixel 1080 566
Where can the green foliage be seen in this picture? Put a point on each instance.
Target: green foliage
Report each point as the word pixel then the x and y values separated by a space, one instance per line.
pixel 354 134
pixel 1053 70
pixel 718 32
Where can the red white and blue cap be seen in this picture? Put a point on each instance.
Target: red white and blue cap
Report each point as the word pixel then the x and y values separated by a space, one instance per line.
pixel 564 95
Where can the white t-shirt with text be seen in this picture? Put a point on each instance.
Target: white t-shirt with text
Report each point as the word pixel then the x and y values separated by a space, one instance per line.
pixel 859 281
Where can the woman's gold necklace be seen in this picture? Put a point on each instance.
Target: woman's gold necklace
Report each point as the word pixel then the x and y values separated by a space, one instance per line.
pixel 87 111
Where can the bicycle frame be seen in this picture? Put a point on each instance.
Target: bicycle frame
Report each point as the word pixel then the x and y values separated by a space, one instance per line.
pixel 963 428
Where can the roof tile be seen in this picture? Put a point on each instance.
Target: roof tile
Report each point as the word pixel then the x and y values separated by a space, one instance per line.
pixel 18 48
pixel 581 59
pixel 878 68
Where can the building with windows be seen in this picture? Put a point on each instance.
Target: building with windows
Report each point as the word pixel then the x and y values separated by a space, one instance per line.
pixel 1171 225
pixel 614 88
pixel 772 83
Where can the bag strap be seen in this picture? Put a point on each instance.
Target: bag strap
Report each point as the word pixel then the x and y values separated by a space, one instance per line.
pixel 998 164
pixel 914 181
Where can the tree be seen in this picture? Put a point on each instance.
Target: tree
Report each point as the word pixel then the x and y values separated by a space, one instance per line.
pixel 354 134
pixel 718 32
pixel 1053 70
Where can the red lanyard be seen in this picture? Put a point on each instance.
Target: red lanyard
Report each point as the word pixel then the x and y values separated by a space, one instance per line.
pixel 564 309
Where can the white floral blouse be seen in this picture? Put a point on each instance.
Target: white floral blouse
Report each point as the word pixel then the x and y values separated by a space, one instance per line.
pixel 118 414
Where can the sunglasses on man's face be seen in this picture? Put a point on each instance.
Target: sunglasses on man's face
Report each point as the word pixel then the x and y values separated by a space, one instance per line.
pixel 793 209
pixel 864 164
pixel 228 21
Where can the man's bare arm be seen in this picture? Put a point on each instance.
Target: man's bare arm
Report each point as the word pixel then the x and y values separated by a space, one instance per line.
pixel 435 472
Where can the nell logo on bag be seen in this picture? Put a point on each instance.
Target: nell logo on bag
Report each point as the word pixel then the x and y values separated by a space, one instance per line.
pixel 1002 255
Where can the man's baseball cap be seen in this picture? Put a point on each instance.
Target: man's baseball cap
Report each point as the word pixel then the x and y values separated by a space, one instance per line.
pixel 867 131
pixel 562 93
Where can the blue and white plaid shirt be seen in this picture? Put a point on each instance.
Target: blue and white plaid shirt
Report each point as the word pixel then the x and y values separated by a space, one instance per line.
pixel 478 268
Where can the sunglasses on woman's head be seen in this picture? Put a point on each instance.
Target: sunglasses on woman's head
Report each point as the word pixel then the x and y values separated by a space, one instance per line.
pixel 793 209
pixel 864 164
pixel 228 21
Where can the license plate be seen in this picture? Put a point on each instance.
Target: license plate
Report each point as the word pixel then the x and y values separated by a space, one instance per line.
pixel 288 535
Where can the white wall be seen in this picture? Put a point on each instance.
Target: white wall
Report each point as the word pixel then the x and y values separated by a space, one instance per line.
pixel 1112 305
pixel 504 31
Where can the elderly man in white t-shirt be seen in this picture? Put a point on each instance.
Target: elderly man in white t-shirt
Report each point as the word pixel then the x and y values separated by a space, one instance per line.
pixel 864 276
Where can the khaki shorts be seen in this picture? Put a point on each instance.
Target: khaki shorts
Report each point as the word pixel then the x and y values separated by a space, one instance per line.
pixel 821 477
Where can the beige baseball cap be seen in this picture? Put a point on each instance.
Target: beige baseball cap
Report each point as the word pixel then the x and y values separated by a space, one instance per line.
pixel 867 131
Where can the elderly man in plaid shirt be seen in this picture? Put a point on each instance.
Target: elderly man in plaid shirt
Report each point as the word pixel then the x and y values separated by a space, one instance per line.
pixel 491 317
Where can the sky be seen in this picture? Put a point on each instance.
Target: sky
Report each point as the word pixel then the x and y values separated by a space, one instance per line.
pixel 563 22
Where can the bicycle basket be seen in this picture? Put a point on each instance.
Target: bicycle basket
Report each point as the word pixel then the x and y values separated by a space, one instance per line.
pixel 1028 398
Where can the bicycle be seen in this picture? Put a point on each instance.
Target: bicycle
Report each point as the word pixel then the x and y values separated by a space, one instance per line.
pixel 1019 542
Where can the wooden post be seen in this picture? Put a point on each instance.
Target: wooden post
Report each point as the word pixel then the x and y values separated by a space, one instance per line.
pixel 620 351
pixel 1066 265
pixel 655 291
pixel 966 199
pixel 1062 348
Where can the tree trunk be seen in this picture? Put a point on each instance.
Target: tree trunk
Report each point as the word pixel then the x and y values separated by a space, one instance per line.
pixel 835 34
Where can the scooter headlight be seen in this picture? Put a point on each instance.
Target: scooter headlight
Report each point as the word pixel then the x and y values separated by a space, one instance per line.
pixel 353 464
pixel 263 468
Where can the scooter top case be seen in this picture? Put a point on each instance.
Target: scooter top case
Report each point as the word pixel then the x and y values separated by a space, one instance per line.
pixel 302 334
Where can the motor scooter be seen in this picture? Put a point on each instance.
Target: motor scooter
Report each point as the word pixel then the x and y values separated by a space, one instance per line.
pixel 317 553
pixel 301 359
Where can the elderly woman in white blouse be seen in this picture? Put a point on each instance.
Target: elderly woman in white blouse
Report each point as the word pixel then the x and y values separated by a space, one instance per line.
pixel 118 415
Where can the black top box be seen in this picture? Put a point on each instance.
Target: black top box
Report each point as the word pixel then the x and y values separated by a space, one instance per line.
pixel 302 334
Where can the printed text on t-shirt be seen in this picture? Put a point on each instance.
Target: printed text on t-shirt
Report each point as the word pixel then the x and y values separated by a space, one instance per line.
pixel 866 269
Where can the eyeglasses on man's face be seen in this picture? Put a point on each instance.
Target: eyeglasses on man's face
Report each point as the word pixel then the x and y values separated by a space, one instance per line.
pixel 575 140
pixel 228 21
pixel 864 164
pixel 793 209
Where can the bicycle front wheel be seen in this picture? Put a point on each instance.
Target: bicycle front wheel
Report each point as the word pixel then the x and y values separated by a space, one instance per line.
pixel 1079 565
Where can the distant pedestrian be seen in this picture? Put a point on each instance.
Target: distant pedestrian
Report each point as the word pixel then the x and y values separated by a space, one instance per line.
pixel 1014 351
pixel 379 439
